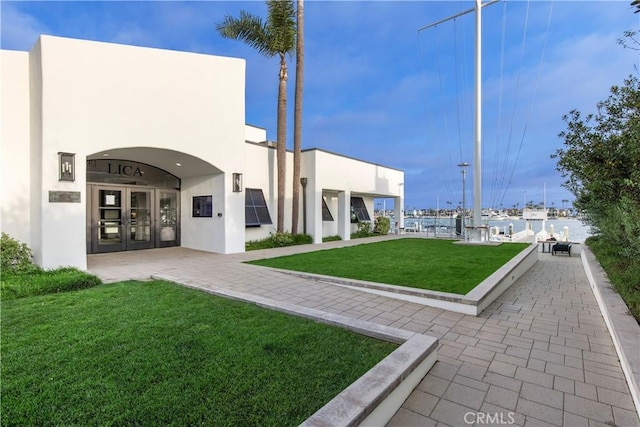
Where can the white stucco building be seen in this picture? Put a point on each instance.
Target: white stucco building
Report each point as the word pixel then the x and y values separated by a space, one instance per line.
pixel 109 147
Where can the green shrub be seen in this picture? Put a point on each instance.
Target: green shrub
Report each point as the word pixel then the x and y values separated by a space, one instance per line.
pixel 281 239
pixel 41 282
pixel 15 256
pixel 302 239
pixel 623 272
pixel 331 238
pixel 364 230
pixel 382 225
pixel 620 227
pixel 364 227
pixel 278 240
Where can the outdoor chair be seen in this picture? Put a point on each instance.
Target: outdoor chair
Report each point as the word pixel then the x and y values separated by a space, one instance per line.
pixel 561 247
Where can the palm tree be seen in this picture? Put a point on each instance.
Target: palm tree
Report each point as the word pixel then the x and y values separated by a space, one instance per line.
pixel 274 37
pixel 297 117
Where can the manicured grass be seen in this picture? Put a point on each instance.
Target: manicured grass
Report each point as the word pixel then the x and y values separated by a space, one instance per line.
pixel 155 353
pixel 41 282
pixel 438 265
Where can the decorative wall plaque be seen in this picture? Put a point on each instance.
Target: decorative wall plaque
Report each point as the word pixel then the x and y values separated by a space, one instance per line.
pixel 64 196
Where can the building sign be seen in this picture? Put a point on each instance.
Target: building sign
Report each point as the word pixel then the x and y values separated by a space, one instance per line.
pixel 120 169
pixel 125 172
pixel 64 196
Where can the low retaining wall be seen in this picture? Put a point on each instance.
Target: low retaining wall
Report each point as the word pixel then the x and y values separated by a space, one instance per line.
pixel 472 303
pixel 623 328
pixel 493 286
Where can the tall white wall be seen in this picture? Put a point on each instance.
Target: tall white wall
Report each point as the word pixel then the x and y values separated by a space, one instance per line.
pixel 87 97
pixel 15 187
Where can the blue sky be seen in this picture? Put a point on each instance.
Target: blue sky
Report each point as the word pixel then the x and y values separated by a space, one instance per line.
pixel 378 89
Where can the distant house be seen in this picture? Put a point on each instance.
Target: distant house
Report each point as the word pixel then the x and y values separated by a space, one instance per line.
pixel 108 147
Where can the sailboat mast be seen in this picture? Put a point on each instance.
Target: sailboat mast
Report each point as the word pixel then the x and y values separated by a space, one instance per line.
pixel 477 167
pixel 477 164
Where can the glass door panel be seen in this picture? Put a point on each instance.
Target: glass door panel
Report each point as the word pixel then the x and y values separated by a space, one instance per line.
pixel 139 227
pixel 128 218
pixel 168 217
pixel 110 220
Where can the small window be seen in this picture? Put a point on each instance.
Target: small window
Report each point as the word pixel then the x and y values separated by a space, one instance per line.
pixel 256 212
pixel 326 213
pixel 359 210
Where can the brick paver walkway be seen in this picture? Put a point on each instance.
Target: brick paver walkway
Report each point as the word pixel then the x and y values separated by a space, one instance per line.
pixel 539 355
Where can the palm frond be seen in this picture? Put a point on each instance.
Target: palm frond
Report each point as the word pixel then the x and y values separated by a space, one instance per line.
pixel 281 25
pixel 249 29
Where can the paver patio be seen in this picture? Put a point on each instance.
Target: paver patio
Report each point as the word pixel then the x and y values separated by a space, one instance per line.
pixel 539 355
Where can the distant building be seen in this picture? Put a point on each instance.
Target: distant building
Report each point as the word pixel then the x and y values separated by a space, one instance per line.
pixel 109 147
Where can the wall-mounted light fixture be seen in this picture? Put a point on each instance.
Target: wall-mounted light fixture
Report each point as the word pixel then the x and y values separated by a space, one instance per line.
pixel 67 166
pixel 237 182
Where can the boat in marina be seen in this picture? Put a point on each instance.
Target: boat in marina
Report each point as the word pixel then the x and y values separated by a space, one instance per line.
pixel 493 215
pixel 503 229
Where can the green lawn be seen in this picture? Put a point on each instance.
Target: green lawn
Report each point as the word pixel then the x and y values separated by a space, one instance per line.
pixel 438 265
pixel 155 353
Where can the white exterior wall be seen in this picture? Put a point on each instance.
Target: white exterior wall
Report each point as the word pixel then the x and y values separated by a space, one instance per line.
pixel 202 233
pixel 342 178
pixel 152 106
pixel 262 172
pixel 328 174
pixel 255 134
pixel 15 188
pixel 95 97
pixel 330 228
pixel 220 232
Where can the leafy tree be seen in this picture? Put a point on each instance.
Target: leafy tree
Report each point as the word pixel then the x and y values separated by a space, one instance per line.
pixel 297 117
pixel 601 163
pixel 275 37
pixel 601 154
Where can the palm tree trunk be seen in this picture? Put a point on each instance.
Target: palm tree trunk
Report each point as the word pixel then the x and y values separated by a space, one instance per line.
pixel 281 152
pixel 297 118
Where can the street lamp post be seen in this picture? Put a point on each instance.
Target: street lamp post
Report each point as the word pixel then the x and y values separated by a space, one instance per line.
pixel 464 166
pixel 303 182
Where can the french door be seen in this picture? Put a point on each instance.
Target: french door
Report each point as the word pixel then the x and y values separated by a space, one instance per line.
pixel 122 219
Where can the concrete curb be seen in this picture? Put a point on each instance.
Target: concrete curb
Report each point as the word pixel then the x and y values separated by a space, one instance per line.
pixel 376 396
pixel 473 303
pixel 623 328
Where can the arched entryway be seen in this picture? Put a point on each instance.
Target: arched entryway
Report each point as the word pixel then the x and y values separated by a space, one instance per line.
pixel 132 204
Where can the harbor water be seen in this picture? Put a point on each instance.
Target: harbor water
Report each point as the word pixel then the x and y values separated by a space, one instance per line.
pixel 445 226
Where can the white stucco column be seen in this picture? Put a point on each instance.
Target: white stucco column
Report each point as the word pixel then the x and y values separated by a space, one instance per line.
pixel 314 212
pixel 398 213
pixel 344 215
